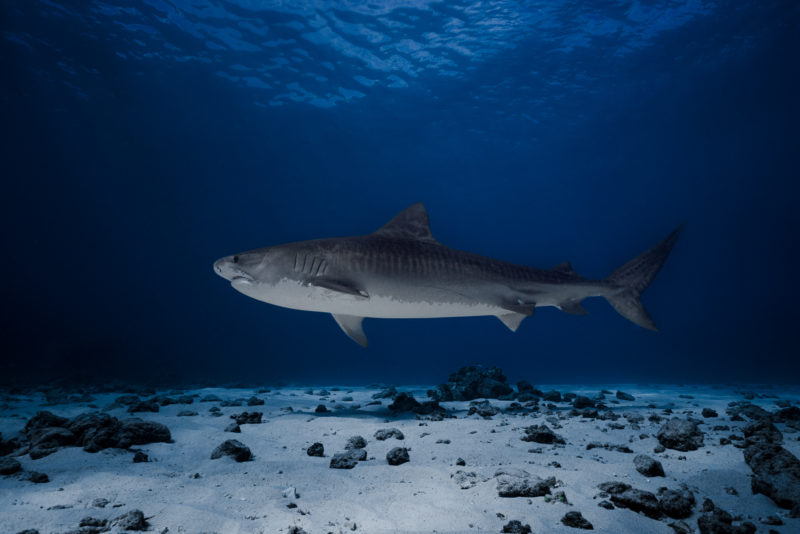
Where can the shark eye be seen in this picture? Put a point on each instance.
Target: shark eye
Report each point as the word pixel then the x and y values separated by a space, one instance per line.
pixel 236 259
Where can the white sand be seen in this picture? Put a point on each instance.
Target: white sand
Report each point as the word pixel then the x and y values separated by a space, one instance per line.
pixel 374 497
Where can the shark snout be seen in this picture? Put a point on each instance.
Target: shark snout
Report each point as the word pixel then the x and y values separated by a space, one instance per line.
pixel 228 269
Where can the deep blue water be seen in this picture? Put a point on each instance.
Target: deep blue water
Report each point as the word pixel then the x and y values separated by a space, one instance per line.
pixel 143 140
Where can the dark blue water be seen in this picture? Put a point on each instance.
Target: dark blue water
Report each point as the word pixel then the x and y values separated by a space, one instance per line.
pixel 143 140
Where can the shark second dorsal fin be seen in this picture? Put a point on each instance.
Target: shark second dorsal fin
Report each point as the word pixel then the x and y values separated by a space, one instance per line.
pixel 411 223
pixel 565 268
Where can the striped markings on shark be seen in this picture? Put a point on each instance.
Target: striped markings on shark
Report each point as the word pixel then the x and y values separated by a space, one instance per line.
pixel 402 271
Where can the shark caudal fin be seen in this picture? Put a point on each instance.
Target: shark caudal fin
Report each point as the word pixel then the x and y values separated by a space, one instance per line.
pixel 634 277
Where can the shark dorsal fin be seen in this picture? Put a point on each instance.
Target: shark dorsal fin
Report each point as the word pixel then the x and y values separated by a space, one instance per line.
pixel 411 223
pixel 565 268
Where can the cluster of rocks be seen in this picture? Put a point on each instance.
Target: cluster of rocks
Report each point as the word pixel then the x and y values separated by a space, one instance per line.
pixel 133 521
pixel 46 432
pixel 354 452
pixel 776 471
pixel 677 504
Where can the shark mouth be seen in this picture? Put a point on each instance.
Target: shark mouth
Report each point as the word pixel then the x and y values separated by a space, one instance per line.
pixel 242 279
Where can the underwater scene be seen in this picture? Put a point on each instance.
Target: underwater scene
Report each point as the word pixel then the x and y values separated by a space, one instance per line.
pixel 399 266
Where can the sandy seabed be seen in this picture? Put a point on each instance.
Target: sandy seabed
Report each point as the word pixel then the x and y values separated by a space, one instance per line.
pixel 283 489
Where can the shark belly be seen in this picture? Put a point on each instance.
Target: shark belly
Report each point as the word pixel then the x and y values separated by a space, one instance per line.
pixel 406 303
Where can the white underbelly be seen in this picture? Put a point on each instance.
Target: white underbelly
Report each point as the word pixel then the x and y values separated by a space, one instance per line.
pixel 290 294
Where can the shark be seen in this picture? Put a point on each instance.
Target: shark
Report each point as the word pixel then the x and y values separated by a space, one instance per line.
pixel 402 271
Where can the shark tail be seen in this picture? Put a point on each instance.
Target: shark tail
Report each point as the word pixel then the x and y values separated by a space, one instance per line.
pixel 634 277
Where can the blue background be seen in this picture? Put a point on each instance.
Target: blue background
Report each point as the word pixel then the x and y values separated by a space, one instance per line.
pixel 143 140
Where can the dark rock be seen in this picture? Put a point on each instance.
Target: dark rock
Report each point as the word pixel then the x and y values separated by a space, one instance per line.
pixel 355 442
pixel 126 400
pixel 513 483
pixel 638 501
pixel 461 462
pixel 403 402
pixel 187 413
pixel 233 427
pixel 580 402
pixel 140 458
pixel 397 456
pixel 93 522
pixel 9 466
pixel 608 447
pixel 677 504
pixel 648 466
pixel 680 435
pixel 776 473
pixel 245 418
pixel 523 386
pixel 210 398
pixel 28 531
pixel 680 527
pixel 348 459
pixel 576 520
pixel 762 431
pixel 516 527
pixel 483 408
pixel 143 406
pixel 51 438
pixel 137 432
pixel 385 393
pixel 233 448
pixel 100 502
pixel 605 504
pixel 542 434
pixel 474 382
pixel 45 419
pixel 133 520
pixel 185 399
pixel 255 401
pixel 751 411
pixel 37 478
pixel 321 409
pixel 231 403
pixel 316 449
pixel 552 396
pixel 790 413
pixel 717 521
pixel 386 433
pixel 621 395
pixel 708 412
pixel 772 520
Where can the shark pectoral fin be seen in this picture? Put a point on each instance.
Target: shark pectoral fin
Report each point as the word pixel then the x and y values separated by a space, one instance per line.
pixel 512 320
pixel 351 325
pixel 341 286
pixel 574 307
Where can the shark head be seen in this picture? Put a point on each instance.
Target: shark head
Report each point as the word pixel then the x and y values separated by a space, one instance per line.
pixel 248 268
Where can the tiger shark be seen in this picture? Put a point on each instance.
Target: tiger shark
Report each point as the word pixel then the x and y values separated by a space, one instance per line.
pixel 402 271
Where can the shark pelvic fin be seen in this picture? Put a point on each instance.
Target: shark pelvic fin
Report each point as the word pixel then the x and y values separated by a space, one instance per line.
pixel 574 307
pixel 520 306
pixel 512 320
pixel 341 286
pixel 351 325
pixel 411 223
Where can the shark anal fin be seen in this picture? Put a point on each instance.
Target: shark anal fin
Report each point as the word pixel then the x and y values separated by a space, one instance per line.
pixel 341 286
pixel 351 325
pixel 512 320
pixel 574 307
